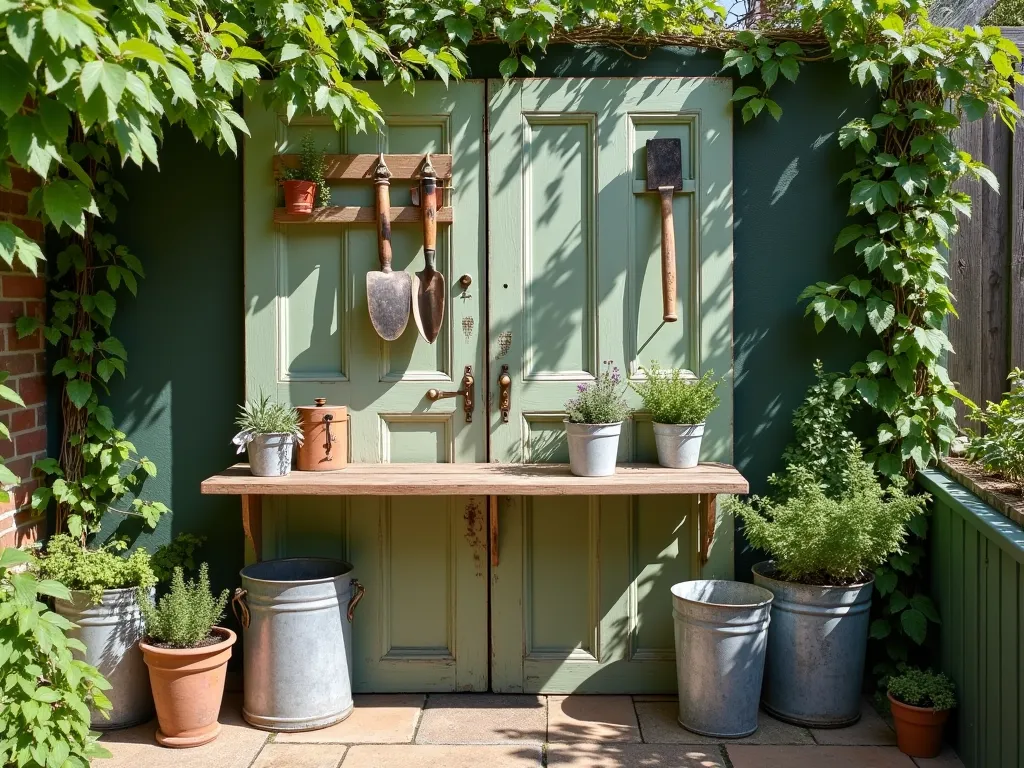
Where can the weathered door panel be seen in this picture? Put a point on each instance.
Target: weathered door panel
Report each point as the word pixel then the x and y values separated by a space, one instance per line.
pixel 423 623
pixel 580 599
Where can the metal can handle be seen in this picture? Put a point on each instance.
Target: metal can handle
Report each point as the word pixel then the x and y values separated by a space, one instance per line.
pixel 239 606
pixel 359 591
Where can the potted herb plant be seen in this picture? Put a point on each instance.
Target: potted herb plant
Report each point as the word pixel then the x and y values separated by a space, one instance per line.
pixel 187 655
pixel 593 423
pixel 679 407
pixel 920 702
pixel 828 526
pixel 305 184
pixel 269 430
pixel 104 608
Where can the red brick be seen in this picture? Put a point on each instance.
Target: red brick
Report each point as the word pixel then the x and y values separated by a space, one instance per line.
pixel 13 202
pixel 32 389
pixel 25 535
pixel 31 227
pixel 31 343
pixel 11 311
pixel 40 358
pixel 24 181
pixel 29 442
pixel 7 449
pixel 23 493
pixel 22 466
pixel 24 287
pixel 40 415
pixel 25 362
pixel 36 309
pixel 23 419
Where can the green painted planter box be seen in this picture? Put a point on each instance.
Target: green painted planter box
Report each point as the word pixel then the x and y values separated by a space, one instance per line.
pixel 978 585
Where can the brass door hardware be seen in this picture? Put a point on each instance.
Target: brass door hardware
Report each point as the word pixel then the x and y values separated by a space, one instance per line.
pixel 466 392
pixel 504 393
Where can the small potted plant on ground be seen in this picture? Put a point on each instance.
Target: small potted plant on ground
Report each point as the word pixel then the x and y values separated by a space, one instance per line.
pixel 679 406
pixel 830 524
pixel 187 655
pixel 593 423
pixel 269 430
pixel 920 702
pixel 305 184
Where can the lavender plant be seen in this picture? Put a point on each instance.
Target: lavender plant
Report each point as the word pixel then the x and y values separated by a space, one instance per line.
pixel 600 402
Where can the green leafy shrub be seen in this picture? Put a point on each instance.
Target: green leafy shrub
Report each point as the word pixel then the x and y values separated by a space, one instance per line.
pixel 815 538
pixel 185 615
pixel 95 570
pixel 920 688
pixel 312 167
pixel 1001 448
pixel 674 399
pixel 600 402
pixel 179 552
pixel 264 417
pixel 46 692
pixel 1006 13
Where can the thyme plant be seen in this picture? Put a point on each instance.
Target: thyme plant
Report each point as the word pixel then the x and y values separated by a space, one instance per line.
pixel 185 616
pixel 94 570
pixel 920 688
pixel 600 402
pixel 312 167
pixel 672 398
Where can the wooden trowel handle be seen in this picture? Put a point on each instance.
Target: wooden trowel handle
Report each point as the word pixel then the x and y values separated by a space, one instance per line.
pixel 429 213
pixel 383 202
pixel 668 255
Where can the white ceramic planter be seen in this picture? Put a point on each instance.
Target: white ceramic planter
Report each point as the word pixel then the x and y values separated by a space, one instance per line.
pixel 592 448
pixel 678 444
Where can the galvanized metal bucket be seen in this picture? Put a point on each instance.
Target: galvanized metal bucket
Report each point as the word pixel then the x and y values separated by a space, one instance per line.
pixel 721 630
pixel 678 444
pixel 296 616
pixel 111 631
pixel 592 448
pixel 270 455
pixel 816 648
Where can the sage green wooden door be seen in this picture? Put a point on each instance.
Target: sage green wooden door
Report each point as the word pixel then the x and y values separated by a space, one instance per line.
pixel 580 599
pixel 423 623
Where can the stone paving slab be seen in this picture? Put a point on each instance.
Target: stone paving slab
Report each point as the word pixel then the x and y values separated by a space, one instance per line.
pixel 766 756
pixel 948 759
pixel 300 756
pixel 376 719
pixel 438 756
pixel 236 747
pixel 592 718
pixel 659 725
pixel 483 718
pixel 634 756
pixel 870 730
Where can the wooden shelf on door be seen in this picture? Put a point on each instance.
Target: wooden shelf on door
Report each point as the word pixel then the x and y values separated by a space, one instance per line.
pixel 705 481
pixel 359 214
pixel 362 167
pixel 480 480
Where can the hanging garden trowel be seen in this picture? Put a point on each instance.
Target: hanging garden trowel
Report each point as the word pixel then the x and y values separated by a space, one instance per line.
pixel 388 293
pixel 428 304
pixel 665 176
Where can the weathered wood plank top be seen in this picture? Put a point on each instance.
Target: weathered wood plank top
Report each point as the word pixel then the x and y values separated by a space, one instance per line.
pixel 480 479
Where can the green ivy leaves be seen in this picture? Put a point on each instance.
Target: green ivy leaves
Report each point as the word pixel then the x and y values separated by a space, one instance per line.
pixel 771 59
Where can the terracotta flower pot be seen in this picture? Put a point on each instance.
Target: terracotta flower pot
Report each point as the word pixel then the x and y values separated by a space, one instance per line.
pixel 918 729
pixel 298 196
pixel 188 685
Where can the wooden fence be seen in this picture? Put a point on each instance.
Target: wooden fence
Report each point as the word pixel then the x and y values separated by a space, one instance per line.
pixel 986 260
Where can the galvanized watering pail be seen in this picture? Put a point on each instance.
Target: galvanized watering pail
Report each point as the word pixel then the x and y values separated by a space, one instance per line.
pixel 296 617
pixel 111 631
pixel 816 650
pixel 721 630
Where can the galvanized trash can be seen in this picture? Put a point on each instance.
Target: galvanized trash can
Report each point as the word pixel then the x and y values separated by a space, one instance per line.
pixel 296 617
pixel 721 630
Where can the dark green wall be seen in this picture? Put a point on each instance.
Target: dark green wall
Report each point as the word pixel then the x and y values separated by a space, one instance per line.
pixel 185 332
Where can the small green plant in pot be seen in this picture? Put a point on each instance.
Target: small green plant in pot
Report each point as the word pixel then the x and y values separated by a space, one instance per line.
pixel 187 655
pixel 1000 450
pixel 269 430
pixel 920 702
pixel 305 184
pixel 593 423
pixel 679 406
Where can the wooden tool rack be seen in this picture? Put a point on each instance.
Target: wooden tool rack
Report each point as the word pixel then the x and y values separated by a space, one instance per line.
pixel 705 481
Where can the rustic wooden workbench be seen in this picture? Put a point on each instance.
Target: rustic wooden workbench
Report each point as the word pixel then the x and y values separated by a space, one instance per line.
pixel 493 480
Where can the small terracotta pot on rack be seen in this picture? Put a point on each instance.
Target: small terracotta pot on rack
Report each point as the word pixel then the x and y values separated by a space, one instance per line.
pixel 299 195
pixel 324 437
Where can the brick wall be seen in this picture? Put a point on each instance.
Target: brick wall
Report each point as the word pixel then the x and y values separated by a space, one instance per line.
pixel 22 293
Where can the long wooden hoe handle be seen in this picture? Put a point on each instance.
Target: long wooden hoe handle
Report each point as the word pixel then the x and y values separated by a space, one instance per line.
pixel 382 188
pixel 429 213
pixel 668 255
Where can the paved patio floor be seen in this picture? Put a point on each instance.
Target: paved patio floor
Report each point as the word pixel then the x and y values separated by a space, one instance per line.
pixel 499 731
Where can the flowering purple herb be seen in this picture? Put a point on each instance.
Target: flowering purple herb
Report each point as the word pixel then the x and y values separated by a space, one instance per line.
pixel 600 401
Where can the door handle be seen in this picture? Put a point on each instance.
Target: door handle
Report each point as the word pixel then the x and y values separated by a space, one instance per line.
pixel 466 391
pixel 504 393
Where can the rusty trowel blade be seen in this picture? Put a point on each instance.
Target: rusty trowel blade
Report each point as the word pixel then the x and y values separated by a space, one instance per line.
pixel 664 163
pixel 389 296
pixel 428 306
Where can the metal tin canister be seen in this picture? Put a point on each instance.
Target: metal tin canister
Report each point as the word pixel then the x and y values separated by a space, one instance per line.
pixel 324 437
